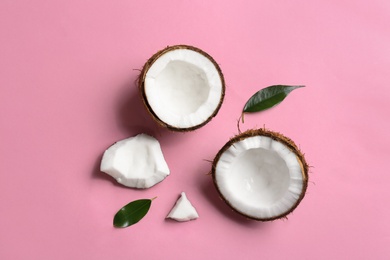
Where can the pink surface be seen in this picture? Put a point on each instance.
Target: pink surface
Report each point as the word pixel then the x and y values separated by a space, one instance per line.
pixel 67 73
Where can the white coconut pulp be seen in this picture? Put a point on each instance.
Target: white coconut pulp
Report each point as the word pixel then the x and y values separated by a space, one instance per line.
pixel 260 177
pixel 183 88
pixel 183 210
pixel 136 162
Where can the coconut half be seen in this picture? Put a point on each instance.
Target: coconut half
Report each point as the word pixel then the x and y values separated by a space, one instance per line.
pixel 136 162
pixel 261 174
pixel 182 87
pixel 183 210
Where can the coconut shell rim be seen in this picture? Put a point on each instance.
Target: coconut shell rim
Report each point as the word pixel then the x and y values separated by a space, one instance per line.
pixel 141 86
pixel 277 137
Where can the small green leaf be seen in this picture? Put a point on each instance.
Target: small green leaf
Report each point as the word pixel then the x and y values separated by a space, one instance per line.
pixel 267 98
pixel 132 213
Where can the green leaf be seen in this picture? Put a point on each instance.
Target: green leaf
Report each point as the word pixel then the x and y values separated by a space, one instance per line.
pixel 268 97
pixel 132 213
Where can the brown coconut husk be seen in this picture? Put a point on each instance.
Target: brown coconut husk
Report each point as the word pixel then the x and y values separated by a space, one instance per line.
pixel 141 85
pixel 275 136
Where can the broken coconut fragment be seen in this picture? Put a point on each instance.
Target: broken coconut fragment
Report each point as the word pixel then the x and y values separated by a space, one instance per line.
pixel 183 210
pixel 182 87
pixel 136 162
pixel 261 174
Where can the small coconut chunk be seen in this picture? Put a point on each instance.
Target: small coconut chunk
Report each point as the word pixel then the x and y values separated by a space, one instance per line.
pixel 136 162
pixel 183 210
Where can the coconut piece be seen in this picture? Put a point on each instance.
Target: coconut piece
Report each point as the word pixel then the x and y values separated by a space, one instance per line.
pixel 183 210
pixel 136 162
pixel 261 174
pixel 182 87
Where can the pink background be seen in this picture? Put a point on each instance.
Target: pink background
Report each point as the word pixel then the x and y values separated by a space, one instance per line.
pixel 67 92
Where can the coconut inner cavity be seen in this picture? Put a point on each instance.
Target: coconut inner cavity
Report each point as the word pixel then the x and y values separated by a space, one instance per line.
pixel 259 176
pixel 182 87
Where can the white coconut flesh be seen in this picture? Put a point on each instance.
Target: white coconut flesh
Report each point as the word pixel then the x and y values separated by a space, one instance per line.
pixel 136 162
pixel 260 177
pixel 183 88
pixel 183 210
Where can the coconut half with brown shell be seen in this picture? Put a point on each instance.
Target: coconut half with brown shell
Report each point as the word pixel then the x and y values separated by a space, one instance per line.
pixel 261 174
pixel 182 87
